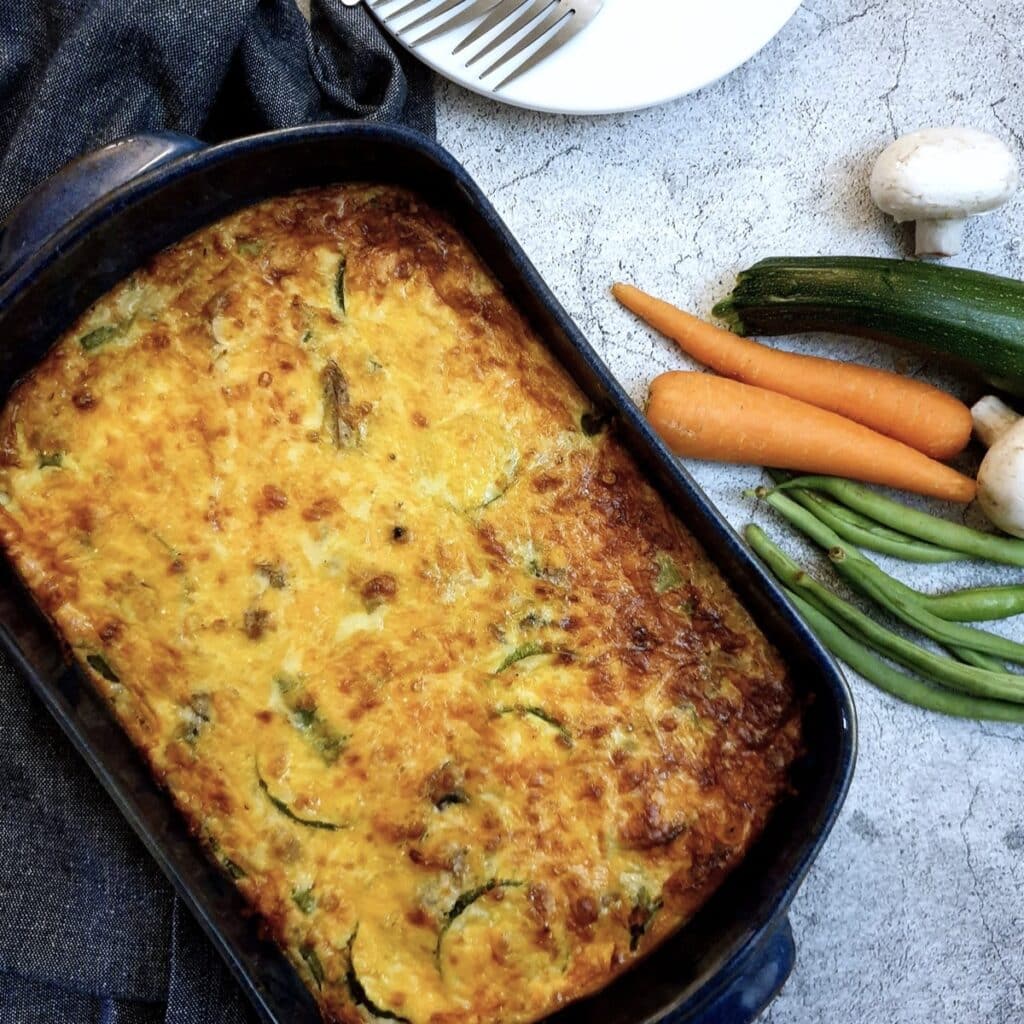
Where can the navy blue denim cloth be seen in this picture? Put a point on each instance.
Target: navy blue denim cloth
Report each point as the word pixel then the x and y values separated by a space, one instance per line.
pixel 90 932
pixel 75 74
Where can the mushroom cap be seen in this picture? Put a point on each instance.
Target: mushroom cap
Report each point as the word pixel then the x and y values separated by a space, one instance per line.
pixel 1001 482
pixel 940 173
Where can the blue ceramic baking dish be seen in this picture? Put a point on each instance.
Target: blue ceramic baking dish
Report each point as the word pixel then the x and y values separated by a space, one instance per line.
pixel 92 224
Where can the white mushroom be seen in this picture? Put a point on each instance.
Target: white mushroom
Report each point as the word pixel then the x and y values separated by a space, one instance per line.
pixel 1001 477
pixel 939 177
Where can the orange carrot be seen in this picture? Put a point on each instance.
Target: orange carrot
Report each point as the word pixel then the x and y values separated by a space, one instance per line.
pixel 911 411
pixel 702 416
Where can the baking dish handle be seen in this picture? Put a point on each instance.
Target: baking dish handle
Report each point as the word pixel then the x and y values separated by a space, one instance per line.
pixel 69 192
pixel 757 982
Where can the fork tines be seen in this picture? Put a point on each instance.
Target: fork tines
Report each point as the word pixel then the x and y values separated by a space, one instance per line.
pixel 452 14
pixel 546 25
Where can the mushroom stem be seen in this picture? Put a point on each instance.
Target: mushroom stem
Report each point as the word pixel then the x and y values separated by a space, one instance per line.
pixel 992 418
pixel 940 177
pixel 940 237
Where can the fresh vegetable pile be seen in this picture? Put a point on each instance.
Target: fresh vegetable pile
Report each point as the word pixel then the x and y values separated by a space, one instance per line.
pixel 820 416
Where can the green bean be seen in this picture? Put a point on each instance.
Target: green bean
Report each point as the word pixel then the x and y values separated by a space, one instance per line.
pixel 1005 550
pixel 969 657
pixel 875 584
pixel 823 535
pixel 977 604
pixel 808 523
pixel 864 532
pixel 978 682
pixel 861 531
pixel 913 607
pixel 896 683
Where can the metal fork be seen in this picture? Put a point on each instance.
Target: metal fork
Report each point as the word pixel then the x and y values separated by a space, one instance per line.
pixel 549 23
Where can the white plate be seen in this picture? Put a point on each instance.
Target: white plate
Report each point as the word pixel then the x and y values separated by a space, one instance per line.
pixel 636 53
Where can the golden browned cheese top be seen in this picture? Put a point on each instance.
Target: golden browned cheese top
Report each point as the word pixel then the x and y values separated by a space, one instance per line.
pixel 427 665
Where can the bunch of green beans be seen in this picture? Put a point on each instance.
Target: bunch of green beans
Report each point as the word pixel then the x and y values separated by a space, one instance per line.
pixel 841 516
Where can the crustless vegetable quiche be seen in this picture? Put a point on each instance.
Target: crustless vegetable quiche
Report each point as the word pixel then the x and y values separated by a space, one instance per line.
pixel 427 665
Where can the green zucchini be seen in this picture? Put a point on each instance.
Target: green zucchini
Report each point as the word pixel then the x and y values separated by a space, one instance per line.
pixel 464 902
pixel 640 917
pixel 541 715
pixel 445 787
pixel 99 336
pixel 280 806
pixel 197 713
pixel 304 899
pixel 99 664
pixel 306 718
pixel 529 650
pixel 455 797
pixel 358 991
pixel 234 870
pixel 316 968
pixel 339 284
pixel 250 247
pixel 669 576
pixel 973 318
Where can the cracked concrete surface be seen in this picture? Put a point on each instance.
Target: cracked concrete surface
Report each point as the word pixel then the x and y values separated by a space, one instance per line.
pixel 914 913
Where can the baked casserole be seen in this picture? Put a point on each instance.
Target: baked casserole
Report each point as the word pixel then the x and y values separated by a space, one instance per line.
pixel 426 664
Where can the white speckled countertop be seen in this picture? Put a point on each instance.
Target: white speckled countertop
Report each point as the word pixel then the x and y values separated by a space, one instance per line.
pixel 914 913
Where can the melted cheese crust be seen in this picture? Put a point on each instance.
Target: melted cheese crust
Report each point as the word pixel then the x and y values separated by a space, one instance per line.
pixel 424 661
